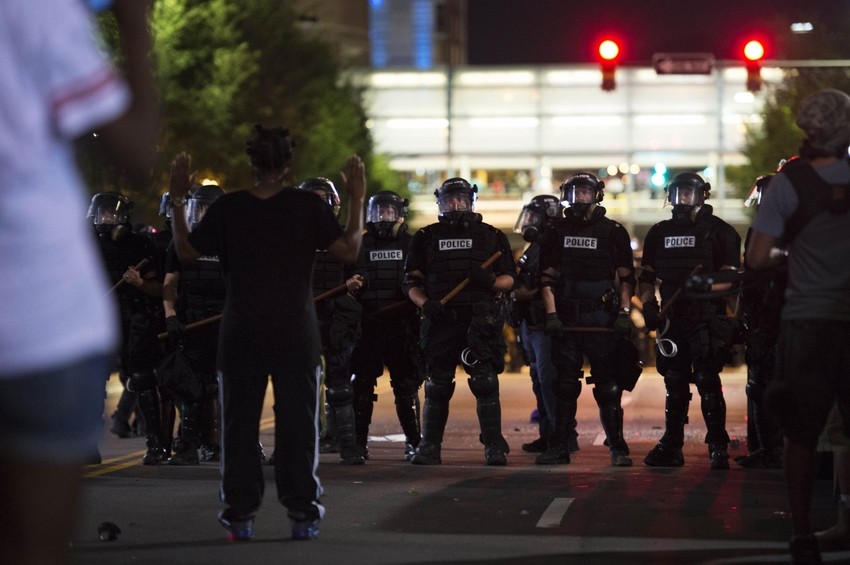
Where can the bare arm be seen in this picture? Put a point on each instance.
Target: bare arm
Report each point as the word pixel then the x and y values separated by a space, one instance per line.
pixel 179 184
pixel 132 137
pixel 347 246
pixel 546 291
pixel 759 250
pixel 169 293
pixel 416 294
pixel 626 289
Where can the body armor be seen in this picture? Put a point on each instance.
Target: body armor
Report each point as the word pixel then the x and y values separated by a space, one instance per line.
pixel 202 284
pixel 328 272
pixel 383 267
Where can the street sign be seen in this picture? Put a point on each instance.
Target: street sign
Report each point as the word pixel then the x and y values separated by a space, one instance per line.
pixel 683 63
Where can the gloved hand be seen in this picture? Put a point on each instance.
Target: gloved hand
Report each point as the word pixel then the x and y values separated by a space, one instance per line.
pixel 432 309
pixel 651 315
pixel 481 277
pixel 552 325
pixel 176 331
pixel 623 325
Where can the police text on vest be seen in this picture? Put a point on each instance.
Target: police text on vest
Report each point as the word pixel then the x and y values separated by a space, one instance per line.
pixel 580 242
pixel 449 244
pixel 680 241
pixel 386 255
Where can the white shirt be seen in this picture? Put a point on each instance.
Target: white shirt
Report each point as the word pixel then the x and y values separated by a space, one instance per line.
pixel 55 85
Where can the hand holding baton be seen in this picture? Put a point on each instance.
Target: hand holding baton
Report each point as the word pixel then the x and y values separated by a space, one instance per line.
pixel 194 325
pixel 117 285
pixel 463 284
pixel 332 292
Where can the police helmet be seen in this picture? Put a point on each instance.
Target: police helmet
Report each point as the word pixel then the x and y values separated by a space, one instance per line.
pixel 386 206
pixel 456 197
pixel 687 189
pixel 536 212
pixel 165 207
pixel 758 190
pixel 569 189
pixel 325 189
pixel 109 209
pixel 202 197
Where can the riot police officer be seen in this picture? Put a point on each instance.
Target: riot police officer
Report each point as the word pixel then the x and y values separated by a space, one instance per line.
pixel 339 324
pixel 695 335
pixel 761 306
pixel 528 313
pixel 466 326
pixel 587 279
pixel 195 292
pixel 390 326
pixel 130 260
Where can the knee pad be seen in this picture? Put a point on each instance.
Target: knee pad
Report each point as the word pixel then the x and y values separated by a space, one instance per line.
pixel 141 381
pixel 340 394
pixel 363 384
pixel 404 388
pixel 484 385
pixel 439 390
pixel 707 382
pixel 677 382
pixel 607 393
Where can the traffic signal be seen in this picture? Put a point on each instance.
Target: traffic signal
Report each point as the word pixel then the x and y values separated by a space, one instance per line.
pixel 753 54
pixel 609 54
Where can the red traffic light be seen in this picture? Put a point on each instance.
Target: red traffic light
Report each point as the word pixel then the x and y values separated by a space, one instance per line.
pixel 754 50
pixel 609 50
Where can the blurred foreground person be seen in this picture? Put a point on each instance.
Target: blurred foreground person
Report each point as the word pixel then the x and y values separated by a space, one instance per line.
pixel 58 330
pixel 808 208
pixel 266 239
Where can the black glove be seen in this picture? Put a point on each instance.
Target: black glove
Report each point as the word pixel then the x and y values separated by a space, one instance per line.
pixel 176 331
pixel 651 315
pixel 481 277
pixel 552 325
pixel 623 325
pixel 432 309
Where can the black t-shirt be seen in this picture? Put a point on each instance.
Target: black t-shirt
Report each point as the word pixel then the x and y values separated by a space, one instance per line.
pixel 266 248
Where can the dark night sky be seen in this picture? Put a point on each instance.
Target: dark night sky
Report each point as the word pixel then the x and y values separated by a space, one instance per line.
pixel 521 32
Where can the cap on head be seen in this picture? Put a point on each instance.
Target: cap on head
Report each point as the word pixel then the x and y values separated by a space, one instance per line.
pixel 824 116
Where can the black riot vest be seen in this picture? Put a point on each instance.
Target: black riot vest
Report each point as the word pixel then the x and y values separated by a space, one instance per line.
pixel 328 272
pixel 682 246
pixel 382 264
pixel 128 251
pixel 203 288
pixel 451 250
pixel 587 251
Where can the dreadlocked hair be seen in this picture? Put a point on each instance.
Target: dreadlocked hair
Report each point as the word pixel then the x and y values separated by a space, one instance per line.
pixel 270 148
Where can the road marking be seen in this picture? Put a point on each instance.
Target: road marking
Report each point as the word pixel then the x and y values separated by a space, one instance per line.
pixel 553 515
pixel 115 464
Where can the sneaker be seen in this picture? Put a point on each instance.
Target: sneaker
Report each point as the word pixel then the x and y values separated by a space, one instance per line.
pixel 427 454
pixel 537 446
pixel 620 458
pixel 240 527
pixel 495 456
pixel 304 529
pixel 805 551
pixel 663 455
pixel 719 458
pixel 210 452
pixel 555 455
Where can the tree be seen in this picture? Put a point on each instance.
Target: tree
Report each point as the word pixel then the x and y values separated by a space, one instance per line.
pixel 225 65
pixel 778 137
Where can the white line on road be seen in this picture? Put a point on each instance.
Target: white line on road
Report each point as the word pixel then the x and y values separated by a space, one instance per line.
pixel 554 513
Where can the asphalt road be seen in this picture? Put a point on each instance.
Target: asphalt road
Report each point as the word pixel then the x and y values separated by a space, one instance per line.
pixel 389 511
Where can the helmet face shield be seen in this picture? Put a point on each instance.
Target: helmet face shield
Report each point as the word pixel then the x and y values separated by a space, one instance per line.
pixel 109 209
pixel 200 202
pixel 386 206
pixel 687 189
pixel 756 194
pixel 527 217
pixel 456 197
pixel 324 189
pixel 683 195
pixel 579 194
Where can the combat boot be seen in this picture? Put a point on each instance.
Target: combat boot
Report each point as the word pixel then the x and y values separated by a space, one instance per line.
pixel 150 408
pixel 611 416
pixel 665 455
pixel 186 449
pixel 539 445
pixel 407 410
pixel 211 426
pixel 364 402
pixel 719 457
pixel 558 452
pixel 427 453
